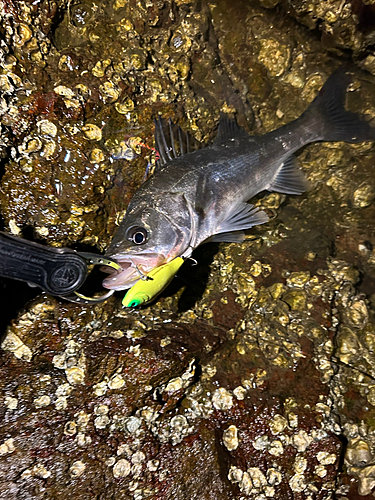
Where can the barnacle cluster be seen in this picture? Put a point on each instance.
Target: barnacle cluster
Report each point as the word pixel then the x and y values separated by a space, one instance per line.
pixel 267 362
pixel 340 22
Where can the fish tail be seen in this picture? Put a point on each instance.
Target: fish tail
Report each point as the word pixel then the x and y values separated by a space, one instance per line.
pixel 331 120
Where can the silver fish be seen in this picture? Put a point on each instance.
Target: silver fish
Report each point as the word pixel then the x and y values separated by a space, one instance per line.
pixel 200 196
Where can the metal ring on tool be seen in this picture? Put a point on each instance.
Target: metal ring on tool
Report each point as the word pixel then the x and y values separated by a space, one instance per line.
pixel 83 299
pixel 93 260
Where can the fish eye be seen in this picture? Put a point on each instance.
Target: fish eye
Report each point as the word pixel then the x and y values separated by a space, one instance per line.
pixel 137 235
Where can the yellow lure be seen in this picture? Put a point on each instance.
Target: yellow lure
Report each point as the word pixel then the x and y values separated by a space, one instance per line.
pixel 145 290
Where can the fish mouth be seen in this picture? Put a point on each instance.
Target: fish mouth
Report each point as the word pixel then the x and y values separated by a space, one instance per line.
pixel 132 269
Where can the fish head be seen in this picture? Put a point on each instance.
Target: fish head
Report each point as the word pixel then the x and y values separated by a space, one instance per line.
pixel 152 233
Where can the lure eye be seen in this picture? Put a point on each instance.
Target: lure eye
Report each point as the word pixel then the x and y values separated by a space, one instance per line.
pixel 138 235
pixel 134 303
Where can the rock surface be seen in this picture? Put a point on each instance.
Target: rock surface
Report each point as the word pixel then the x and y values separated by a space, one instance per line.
pixel 253 375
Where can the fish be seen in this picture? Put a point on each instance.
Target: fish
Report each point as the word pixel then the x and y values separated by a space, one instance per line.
pixel 198 196
pixel 155 282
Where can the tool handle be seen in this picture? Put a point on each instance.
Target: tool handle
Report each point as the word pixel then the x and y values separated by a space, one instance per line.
pixel 59 271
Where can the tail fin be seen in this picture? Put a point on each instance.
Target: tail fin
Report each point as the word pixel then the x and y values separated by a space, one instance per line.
pixel 338 124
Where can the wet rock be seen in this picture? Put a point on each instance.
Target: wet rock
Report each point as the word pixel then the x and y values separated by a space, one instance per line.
pixel 239 382
pixel 341 23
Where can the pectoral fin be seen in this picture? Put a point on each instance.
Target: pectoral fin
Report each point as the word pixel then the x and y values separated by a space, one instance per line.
pixel 289 179
pixel 242 216
pixel 233 237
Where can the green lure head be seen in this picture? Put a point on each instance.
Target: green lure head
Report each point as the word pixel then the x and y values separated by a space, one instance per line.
pixel 133 303
pixel 136 299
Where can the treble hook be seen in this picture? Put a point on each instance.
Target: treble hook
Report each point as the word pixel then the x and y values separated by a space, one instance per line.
pixel 143 276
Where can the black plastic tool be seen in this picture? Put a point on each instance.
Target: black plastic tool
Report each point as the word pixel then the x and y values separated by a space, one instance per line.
pixel 58 271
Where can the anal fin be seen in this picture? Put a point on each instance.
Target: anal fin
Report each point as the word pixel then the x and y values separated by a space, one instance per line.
pixel 289 179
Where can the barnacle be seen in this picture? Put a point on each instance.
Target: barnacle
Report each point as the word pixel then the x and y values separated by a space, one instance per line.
pixel 109 91
pixel 92 132
pixel 124 107
pixel 275 56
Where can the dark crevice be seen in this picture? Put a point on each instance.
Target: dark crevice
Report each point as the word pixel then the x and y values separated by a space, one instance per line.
pixel 56 21
pixel 344 443
pixel 366 15
pixel 14 296
pixel 4 158
pixel 195 277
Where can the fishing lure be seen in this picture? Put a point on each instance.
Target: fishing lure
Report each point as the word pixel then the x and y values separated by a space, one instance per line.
pixel 156 280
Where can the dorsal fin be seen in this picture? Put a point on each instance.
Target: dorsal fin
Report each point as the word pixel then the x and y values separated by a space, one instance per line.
pixel 171 142
pixel 228 129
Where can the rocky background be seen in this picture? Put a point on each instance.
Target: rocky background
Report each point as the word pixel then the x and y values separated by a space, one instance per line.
pixel 253 376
